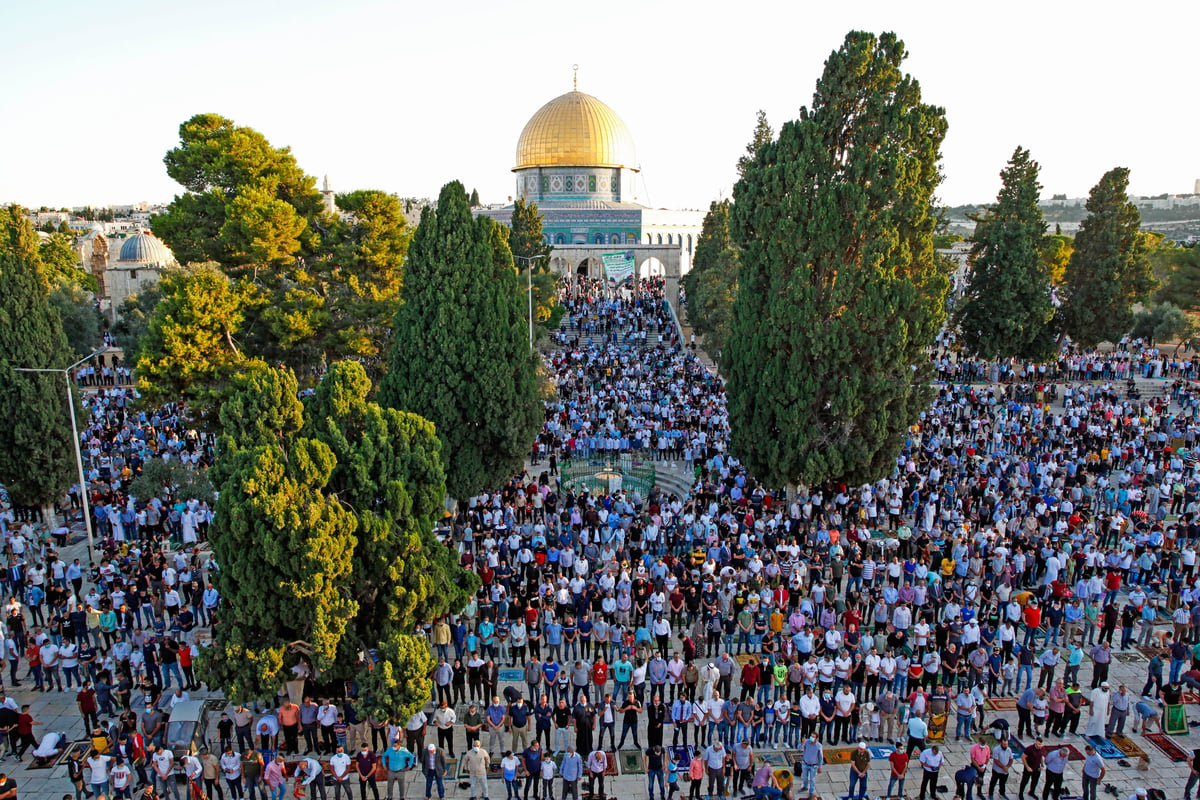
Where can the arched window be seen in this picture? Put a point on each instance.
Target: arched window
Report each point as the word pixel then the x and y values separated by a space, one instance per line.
pixel 689 244
pixel 660 238
pixel 599 238
pixel 614 239
pixel 649 238
pixel 559 239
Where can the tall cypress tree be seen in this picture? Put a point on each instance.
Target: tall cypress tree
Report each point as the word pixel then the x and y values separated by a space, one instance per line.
pixel 712 282
pixel 839 289
pixel 37 457
pixel 460 354
pixel 1007 310
pixel 1109 269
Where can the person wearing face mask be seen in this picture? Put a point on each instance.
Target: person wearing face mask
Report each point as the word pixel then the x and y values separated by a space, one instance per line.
pixel 813 756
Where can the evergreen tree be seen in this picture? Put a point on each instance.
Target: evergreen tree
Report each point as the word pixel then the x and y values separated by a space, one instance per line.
pixel 333 503
pixel 529 249
pixel 474 198
pixel 762 135
pixel 1109 270
pixel 363 273
pixel 1180 269
pixel 712 282
pixel 285 546
pixel 389 471
pixel 81 321
pixel 190 350
pixel 37 457
pixel 1006 310
pixel 839 292
pixel 460 355
pixel 319 287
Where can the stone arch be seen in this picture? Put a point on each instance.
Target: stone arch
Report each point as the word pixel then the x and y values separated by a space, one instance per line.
pixel 590 267
pixel 651 267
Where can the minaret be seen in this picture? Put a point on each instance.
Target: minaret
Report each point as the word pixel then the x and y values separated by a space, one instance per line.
pixel 327 195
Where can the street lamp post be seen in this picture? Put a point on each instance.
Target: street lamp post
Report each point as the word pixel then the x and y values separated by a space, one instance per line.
pixel 529 264
pixel 83 495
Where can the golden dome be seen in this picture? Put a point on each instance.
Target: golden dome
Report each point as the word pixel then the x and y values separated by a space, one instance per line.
pixel 575 130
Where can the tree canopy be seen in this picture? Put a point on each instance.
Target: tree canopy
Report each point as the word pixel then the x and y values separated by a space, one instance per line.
pixel 315 287
pixel 1109 269
pixel 839 291
pixel 460 355
pixel 37 456
pixel 324 533
pixel 712 282
pixel 1007 310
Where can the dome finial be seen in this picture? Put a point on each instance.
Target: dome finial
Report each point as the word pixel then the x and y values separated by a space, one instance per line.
pixel 575 78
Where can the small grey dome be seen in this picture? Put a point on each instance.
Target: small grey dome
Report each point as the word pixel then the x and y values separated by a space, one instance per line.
pixel 145 248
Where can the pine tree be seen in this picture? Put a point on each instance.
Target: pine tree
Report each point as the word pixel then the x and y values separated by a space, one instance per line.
pixel 460 354
pixel 839 292
pixel 712 282
pixel 37 457
pixel 1006 311
pixel 1109 269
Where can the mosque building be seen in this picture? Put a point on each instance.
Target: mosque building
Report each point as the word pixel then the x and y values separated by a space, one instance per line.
pixel 577 162
pixel 122 267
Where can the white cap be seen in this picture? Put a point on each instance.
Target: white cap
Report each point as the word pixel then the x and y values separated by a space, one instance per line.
pixel 862 745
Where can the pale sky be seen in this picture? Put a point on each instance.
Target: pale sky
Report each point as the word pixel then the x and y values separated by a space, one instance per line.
pixel 407 96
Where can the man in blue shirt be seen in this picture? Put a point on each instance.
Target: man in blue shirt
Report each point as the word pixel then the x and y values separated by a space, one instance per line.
pixel 396 759
pixel 571 771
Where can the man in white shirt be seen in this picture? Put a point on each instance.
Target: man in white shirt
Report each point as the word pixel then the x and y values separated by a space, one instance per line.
pixel 339 763
pixel 163 762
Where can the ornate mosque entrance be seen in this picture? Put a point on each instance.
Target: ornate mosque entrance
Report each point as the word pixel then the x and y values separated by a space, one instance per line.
pixel 584 261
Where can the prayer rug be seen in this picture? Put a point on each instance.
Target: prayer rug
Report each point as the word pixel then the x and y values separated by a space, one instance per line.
pixel 1190 698
pixel 215 705
pixel 745 658
pixel 775 759
pixel 793 756
pixel 512 675
pixel 838 755
pixel 1002 703
pixel 1105 748
pixel 612 771
pixel 1148 652
pixel 495 772
pixel 881 752
pixel 937 727
pixel 1130 658
pixel 84 745
pixel 1175 721
pixel 1073 753
pixel 1127 746
pixel 1168 746
pixel 632 763
pixel 680 754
